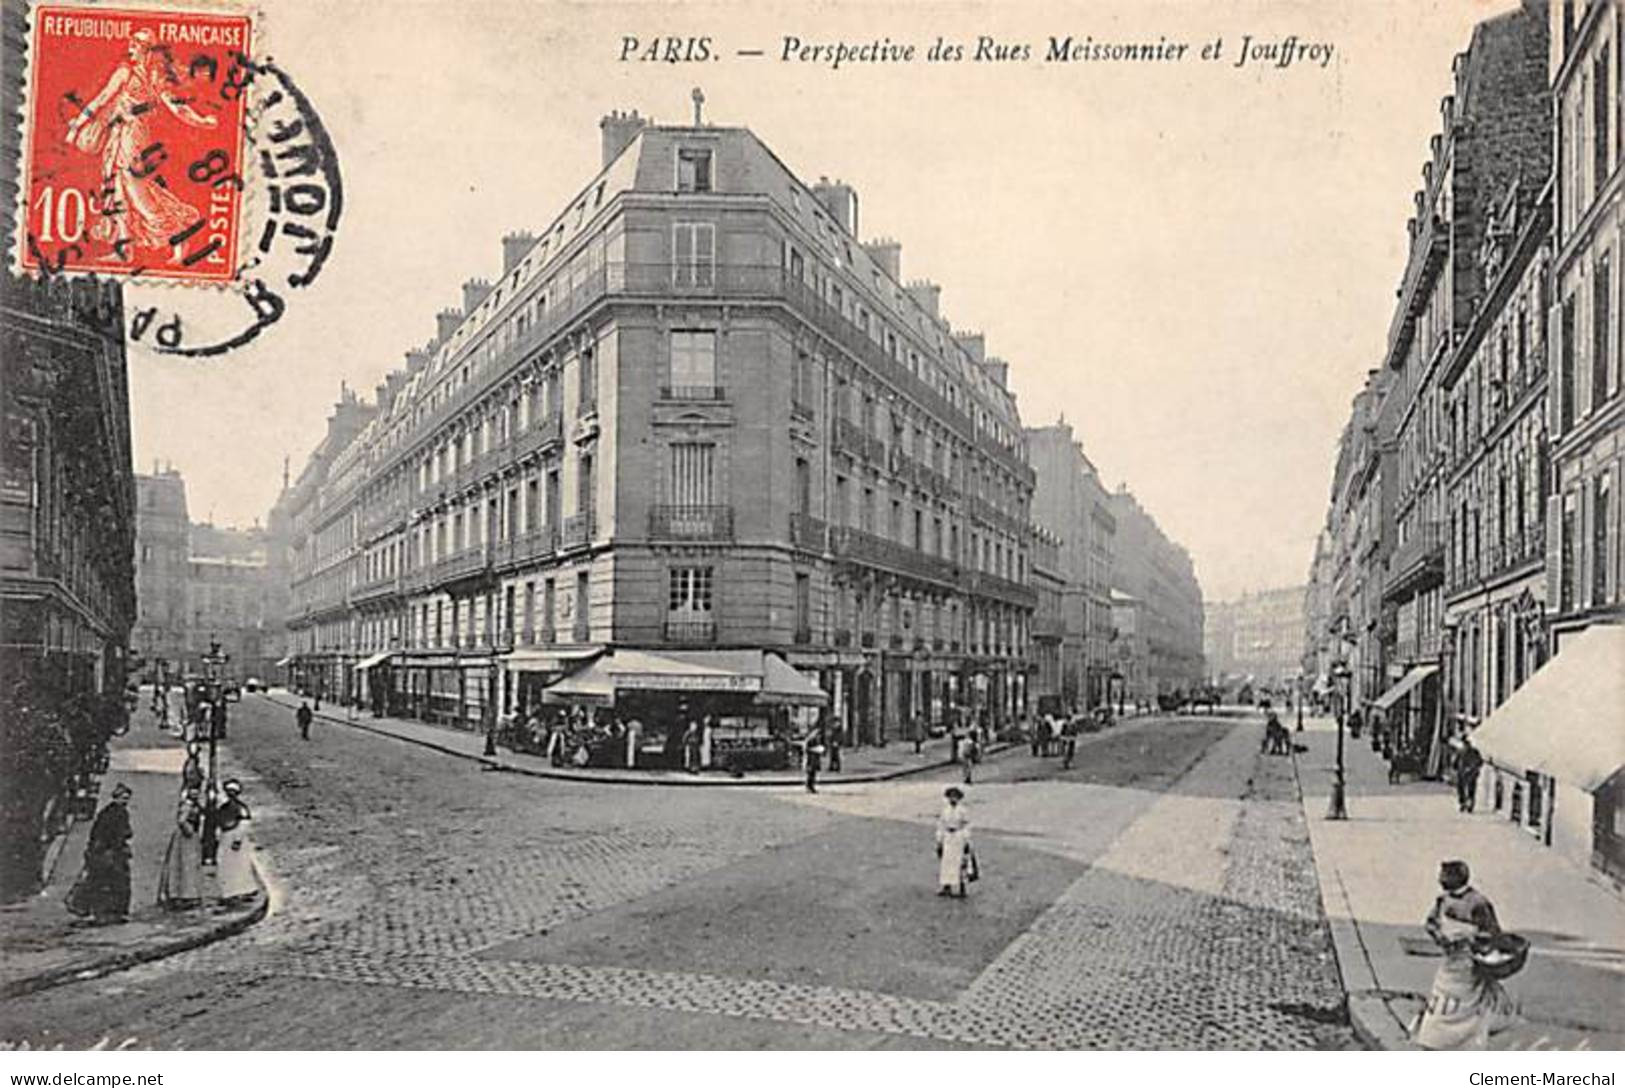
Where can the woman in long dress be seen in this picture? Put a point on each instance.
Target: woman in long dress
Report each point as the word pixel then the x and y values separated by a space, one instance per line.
pixel 1464 1005
pixel 953 843
pixel 117 125
pixel 236 866
pixel 180 886
pixel 103 890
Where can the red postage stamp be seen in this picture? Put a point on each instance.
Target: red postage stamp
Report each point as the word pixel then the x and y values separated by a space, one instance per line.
pixel 134 161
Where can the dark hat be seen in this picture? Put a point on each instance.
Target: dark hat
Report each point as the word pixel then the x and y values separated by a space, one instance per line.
pixel 231 785
pixel 121 791
pixel 953 791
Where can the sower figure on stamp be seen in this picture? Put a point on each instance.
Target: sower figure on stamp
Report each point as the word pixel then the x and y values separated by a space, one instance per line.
pixel 117 125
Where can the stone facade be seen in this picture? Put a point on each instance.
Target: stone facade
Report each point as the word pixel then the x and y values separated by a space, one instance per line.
pixel 1071 502
pixel 694 412
pixel 1158 585
pixel 1257 638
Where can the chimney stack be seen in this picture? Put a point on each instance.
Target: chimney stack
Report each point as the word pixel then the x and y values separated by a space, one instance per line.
pixel 619 130
pixel 998 370
pixel 928 296
pixel 514 248
pixel 974 343
pixel 888 255
pixel 840 200
pixel 446 322
pixel 474 292
pixel 417 359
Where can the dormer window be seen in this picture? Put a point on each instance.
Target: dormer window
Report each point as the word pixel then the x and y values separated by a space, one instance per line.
pixel 694 170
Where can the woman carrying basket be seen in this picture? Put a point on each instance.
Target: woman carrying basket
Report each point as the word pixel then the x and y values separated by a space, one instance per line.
pixel 1467 1002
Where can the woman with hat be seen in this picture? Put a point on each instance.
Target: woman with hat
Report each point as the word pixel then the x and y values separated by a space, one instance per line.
pixel 180 885
pixel 236 868
pixel 103 889
pixel 1465 1005
pixel 953 843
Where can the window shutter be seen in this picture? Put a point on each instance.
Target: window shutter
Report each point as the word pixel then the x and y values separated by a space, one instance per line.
pixel 1554 370
pixel 1554 552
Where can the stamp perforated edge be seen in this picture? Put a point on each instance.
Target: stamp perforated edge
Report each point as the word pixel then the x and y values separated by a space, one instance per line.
pixel 248 209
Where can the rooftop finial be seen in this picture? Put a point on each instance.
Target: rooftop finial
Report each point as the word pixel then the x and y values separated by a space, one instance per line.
pixel 699 102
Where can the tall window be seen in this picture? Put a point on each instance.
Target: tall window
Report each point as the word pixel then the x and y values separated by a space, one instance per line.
pixel 803 486
pixel 550 603
pixel 1565 384
pixel 694 170
pixel 1602 294
pixel 584 486
pixel 1566 572
pixel 693 361
pixel 553 499
pixel 692 472
pixel 694 254
pixel 803 602
pixel 690 591
pixel 581 624
pixel 532 506
pixel 1600 96
pixel 1600 515
pixel 530 612
pixel 587 395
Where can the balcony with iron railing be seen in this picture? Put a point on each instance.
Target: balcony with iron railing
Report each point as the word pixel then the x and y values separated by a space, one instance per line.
pixel 983 584
pixel 688 627
pixel 578 530
pixel 539 436
pixel 680 522
pixel 693 392
pixel 376 589
pixel 855 544
pixel 1418 562
pixel 808 533
pixel 531 546
pixel 463 564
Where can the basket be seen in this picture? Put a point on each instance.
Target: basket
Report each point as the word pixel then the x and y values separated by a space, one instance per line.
pixel 1501 956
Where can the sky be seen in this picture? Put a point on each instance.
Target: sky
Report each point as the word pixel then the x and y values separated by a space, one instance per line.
pixel 1194 262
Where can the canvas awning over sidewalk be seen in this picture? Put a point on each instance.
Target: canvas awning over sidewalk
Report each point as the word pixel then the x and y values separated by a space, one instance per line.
pixel 1564 721
pixel 376 659
pixel 766 676
pixel 1410 680
pixel 557 659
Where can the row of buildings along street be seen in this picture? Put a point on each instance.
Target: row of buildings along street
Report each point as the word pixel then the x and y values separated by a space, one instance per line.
pixel 696 419
pixel 1474 525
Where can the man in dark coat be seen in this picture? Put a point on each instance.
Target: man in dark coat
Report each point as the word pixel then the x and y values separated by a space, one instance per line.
pixel 103 890
pixel 303 716
pixel 1468 764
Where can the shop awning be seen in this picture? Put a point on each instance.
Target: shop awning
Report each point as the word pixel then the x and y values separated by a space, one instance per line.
pixel 1418 673
pixel 1564 721
pixel 558 659
pixel 368 662
pixel 784 686
pixel 285 662
pixel 749 672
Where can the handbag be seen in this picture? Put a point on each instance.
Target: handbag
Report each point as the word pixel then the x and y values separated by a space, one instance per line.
pixel 973 871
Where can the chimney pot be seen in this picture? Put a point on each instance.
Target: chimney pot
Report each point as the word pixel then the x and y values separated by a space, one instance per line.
pixel 619 130
pixel 514 247
pixel 446 322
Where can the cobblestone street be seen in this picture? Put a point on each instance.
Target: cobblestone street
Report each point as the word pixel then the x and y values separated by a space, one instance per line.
pixel 1160 894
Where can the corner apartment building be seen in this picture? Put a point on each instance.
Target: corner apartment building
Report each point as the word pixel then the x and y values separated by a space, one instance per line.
pixel 1493 138
pixel 1070 501
pixel 694 413
pixel 1156 590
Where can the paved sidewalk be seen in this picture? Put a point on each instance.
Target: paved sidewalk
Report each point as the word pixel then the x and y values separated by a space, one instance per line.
pixel 1378 877
pixel 862 764
pixel 42 945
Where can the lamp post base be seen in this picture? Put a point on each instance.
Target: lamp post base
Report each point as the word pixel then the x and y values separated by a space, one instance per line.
pixel 1338 810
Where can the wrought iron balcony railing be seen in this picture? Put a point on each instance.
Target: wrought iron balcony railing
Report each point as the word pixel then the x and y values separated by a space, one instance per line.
pixel 691 522
pixel 691 629
pixel 693 392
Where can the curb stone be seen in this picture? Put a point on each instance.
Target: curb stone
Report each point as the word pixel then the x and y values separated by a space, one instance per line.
pixel 497 763
pixel 83 971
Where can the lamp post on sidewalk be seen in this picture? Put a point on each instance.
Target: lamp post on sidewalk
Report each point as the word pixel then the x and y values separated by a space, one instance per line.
pixel 1342 675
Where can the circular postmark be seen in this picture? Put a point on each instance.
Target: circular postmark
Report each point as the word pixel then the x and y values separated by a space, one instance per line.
pixel 160 151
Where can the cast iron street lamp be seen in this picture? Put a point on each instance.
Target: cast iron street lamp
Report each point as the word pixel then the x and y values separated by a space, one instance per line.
pixel 1339 807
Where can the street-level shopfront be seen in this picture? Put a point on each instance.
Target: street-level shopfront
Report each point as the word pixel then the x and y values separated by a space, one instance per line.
pixel 747 705
pixel 1409 712
pixel 1555 752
